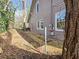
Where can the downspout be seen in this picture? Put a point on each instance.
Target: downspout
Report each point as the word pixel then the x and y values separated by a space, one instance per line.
pixel 52 24
pixel 51 12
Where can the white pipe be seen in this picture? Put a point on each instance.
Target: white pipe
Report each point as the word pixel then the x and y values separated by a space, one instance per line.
pixel 46 40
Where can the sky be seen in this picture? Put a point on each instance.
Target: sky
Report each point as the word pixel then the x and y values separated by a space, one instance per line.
pixel 61 14
pixel 18 5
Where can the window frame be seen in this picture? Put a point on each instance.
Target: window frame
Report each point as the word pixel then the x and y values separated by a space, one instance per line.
pixel 37 8
pixel 56 15
pixel 39 25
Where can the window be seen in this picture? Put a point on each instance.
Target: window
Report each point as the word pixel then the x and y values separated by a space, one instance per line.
pixel 60 20
pixel 37 6
pixel 40 25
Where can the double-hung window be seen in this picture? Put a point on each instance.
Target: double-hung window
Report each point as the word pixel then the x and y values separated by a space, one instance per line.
pixel 40 25
pixel 37 7
pixel 60 20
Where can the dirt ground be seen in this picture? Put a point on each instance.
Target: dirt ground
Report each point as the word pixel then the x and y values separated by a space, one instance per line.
pixel 17 40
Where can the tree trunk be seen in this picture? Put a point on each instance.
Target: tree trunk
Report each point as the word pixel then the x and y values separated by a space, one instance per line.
pixel 71 42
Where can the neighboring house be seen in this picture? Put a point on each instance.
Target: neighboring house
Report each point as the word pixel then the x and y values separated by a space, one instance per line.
pixel 50 14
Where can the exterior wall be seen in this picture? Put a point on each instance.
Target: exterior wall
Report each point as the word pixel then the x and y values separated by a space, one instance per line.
pixel 47 13
pixel 56 5
pixel 44 14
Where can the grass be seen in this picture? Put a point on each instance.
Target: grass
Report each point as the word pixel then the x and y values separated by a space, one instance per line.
pixel 32 42
pixel 36 38
pixel 38 42
pixel 56 44
pixel 52 42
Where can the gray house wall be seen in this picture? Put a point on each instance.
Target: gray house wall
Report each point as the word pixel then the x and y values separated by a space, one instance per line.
pixel 57 5
pixel 48 9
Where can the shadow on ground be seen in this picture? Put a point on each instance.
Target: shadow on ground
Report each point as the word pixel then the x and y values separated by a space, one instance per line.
pixel 24 35
pixel 13 52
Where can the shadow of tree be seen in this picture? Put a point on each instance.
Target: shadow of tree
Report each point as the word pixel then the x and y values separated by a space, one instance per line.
pixel 24 35
pixel 13 52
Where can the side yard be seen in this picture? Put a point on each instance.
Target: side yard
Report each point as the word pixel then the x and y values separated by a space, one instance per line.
pixel 54 46
pixel 18 44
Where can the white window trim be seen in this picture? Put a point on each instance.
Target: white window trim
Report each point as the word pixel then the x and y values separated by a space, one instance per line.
pixel 39 28
pixel 56 29
pixel 36 6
